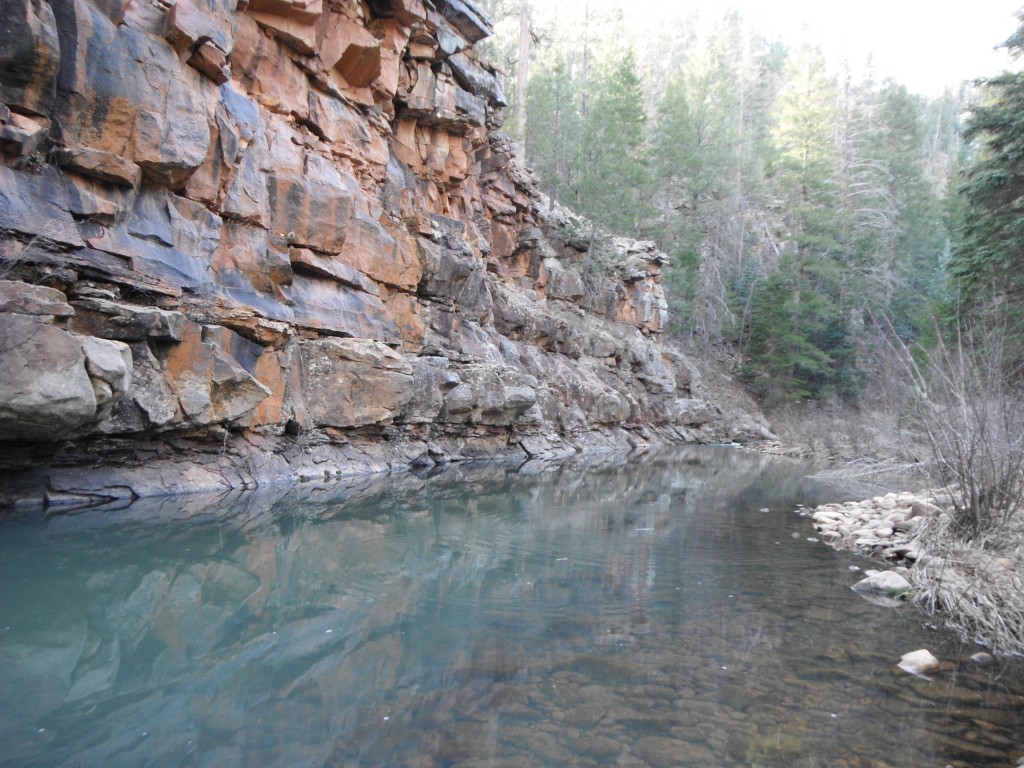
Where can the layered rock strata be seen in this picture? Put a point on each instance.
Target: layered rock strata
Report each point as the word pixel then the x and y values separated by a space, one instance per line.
pixel 284 238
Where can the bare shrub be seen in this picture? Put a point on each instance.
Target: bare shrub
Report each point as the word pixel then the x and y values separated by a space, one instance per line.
pixel 26 258
pixel 970 408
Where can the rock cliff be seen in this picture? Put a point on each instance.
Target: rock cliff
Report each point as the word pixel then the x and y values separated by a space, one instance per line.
pixel 248 241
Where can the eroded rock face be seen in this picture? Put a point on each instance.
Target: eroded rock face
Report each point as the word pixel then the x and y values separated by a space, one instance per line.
pixel 294 221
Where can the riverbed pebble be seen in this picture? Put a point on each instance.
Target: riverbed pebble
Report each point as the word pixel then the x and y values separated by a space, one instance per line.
pixel 919 662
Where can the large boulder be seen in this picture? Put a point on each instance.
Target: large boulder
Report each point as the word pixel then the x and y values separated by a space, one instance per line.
pixel 21 298
pixel 109 365
pixel 54 383
pixel 489 394
pixel 45 391
pixel 353 382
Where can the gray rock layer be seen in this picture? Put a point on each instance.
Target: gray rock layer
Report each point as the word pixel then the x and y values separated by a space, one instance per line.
pixel 249 242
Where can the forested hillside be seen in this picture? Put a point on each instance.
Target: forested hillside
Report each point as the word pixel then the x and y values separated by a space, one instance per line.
pixel 810 209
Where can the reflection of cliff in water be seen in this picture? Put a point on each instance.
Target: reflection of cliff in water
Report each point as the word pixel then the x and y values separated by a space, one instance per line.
pixel 244 618
pixel 328 625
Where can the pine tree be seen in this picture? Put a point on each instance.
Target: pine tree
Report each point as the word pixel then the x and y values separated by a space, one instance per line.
pixel 797 341
pixel 917 241
pixel 988 265
pixel 554 128
pixel 807 160
pixel 613 174
pixel 896 232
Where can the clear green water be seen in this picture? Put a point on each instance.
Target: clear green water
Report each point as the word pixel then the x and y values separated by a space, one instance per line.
pixel 641 613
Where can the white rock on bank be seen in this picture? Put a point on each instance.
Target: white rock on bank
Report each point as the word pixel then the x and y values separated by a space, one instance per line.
pixel 922 508
pixel 888 583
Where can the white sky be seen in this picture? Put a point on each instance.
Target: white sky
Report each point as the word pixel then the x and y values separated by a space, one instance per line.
pixel 925 44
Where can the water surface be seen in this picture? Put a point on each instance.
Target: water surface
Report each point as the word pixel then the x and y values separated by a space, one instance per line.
pixel 664 611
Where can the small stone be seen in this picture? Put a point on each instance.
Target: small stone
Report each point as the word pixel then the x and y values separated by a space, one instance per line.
pixel 922 508
pixel 904 526
pixel 920 662
pixel 982 658
pixel 866 542
pixel 886 502
pixel 888 583
pixel 909 552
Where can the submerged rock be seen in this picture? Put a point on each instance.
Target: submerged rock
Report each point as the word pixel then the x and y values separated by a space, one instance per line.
pixel 920 662
pixel 888 583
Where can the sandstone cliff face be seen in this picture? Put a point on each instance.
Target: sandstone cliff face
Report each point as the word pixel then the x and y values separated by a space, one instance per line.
pixel 284 238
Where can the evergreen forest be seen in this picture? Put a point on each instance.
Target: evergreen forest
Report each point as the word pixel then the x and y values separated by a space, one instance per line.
pixel 818 219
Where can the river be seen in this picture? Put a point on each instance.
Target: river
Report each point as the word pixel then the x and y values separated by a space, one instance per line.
pixel 665 610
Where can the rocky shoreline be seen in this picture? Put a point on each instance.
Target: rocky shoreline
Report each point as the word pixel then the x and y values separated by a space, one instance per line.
pixel 978 588
pixel 133 470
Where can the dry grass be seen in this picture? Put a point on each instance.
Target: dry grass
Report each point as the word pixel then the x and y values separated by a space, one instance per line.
pixel 871 433
pixel 978 586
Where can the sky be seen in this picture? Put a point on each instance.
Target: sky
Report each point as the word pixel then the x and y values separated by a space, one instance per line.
pixel 927 45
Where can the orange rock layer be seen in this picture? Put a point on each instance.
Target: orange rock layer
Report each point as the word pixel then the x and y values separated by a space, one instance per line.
pixel 295 224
